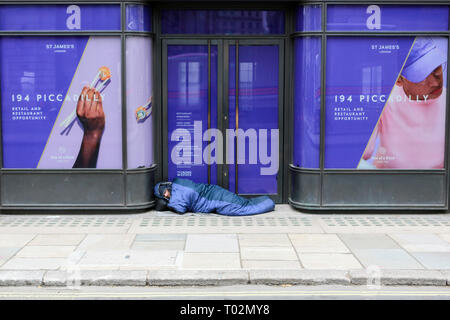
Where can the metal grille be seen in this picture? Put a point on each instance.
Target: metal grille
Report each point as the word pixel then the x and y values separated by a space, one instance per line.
pixel 287 222
pixel 202 221
pixel 63 222
pixel 377 221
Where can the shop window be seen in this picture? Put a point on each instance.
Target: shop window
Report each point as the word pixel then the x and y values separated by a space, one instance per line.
pixel 309 18
pixel 42 82
pixel 139 17
pixel 307 102
pixel 385 102
pixel 140 111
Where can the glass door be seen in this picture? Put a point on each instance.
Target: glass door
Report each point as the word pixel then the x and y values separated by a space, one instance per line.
pixel 222 112
pixel 190 79
pixel 254 109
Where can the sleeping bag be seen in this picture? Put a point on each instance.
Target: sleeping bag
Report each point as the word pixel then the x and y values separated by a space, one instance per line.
pixel 187 195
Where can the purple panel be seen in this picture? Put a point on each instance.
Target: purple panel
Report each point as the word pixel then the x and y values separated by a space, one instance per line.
pixel 139 17
pixel 222 22
pixel 188 110
pixel 42 79
pixel 27 71
pixel 309 18
pixel 307 102
pixel 361 73
pixel 257 154
pixel 139 102
pixel 80 17
pixel 387 18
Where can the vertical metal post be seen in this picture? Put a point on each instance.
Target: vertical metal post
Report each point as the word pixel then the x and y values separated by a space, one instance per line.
pixel 323 55
pixel 447 121
pixel 1 134
pixel 224 106
pixel 209 110
pixel 124 102
pixel 237 119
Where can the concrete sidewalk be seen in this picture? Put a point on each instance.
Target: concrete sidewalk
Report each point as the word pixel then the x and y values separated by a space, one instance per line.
pixel 285 247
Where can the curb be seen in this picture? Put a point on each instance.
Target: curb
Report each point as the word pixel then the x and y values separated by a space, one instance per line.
pixel 400 278
pixel 197 278
pixel 21 278
pixel 299 277
pixel 95 278
pixel 222 278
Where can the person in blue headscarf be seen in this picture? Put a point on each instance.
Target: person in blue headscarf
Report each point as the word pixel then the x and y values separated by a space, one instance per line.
pixel 184 195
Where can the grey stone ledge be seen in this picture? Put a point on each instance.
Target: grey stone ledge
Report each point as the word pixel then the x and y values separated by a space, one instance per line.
pixel 197 277
pixel 96 278
pixel 399 277
pixel 299 277
pixel 21 278
pixel 446 274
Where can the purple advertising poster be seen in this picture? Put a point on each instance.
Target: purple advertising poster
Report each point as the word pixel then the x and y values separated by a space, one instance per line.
pixel 139 102
pixel 388 111
pixel 61 102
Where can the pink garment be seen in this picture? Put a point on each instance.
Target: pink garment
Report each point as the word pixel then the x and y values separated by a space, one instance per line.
pixel 411 133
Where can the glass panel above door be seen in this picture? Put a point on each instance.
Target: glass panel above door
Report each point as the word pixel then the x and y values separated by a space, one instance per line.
pixel 222 22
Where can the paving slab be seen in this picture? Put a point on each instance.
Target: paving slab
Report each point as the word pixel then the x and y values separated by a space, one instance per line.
pixel 387 258
pixel 15 240
pixel 106 242
pixel 400 277
pixel 57 240
pixel 160 237
pixel 33 264
pixel 318 243
pixel 197 278
pixel 45 251
pixel 421 242
pixel 212 243
pixel 434 260
pixel 268 253
pixel 6 253
pixel 130 259
pixel 299 277
pixel 270 265
pixel 368 241
pixel 264 240
pixel 203 261
pixel 445 236
pixel 158 245
pixel 337 261
pixel 21 278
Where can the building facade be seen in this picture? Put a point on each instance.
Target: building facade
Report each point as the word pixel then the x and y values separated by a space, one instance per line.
pixel 324 105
